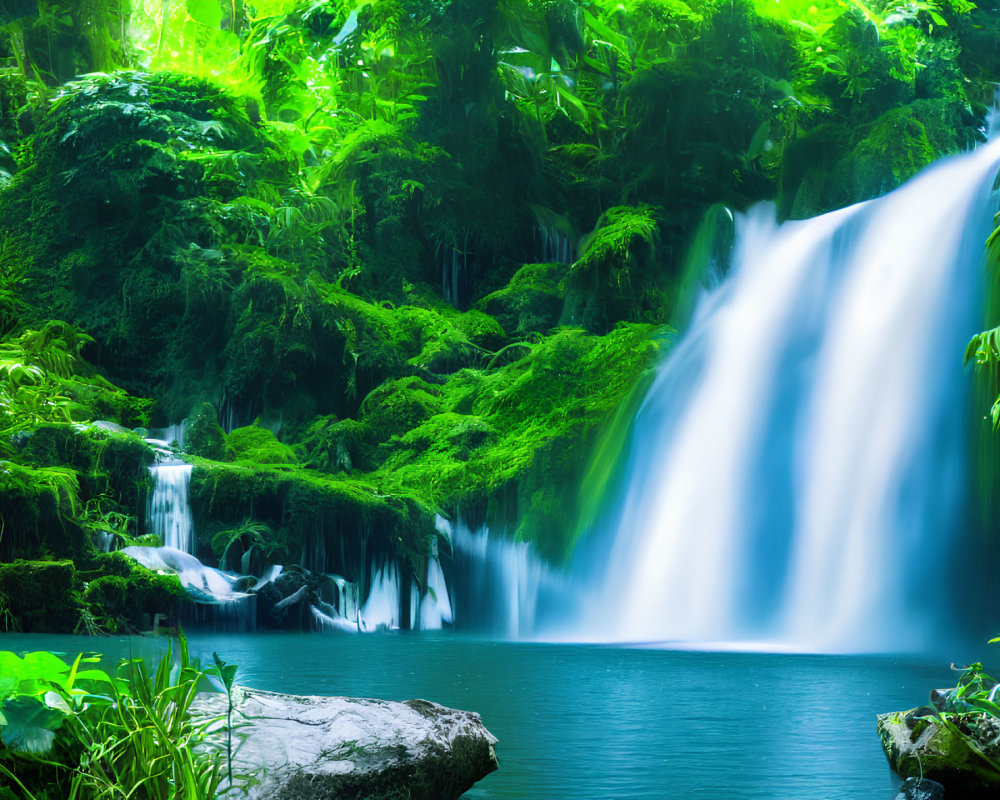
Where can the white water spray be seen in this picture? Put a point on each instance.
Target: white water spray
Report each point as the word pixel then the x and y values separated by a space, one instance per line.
pixel 795 472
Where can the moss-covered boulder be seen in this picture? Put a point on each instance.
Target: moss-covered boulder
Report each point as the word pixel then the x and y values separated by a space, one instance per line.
pixel 896 148
pixel 531 302
pixel 962 753
pixel 398 406
pixel 333 445
pixel 327 523
pixel 259 445
pixel 614 279
pixel 203 436
pixel 121 595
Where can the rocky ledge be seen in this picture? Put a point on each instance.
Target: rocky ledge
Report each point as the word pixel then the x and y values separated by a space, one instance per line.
pixel 960 756
pixel 320 748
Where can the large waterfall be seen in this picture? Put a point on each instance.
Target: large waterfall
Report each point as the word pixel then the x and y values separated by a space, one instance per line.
pixel 796 471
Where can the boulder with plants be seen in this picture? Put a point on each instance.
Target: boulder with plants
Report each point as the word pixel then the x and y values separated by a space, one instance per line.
pixel 954 741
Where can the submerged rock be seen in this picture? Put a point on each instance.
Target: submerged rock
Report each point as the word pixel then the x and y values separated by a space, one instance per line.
pixel 961 758
pixel 314 748
pixel 920 789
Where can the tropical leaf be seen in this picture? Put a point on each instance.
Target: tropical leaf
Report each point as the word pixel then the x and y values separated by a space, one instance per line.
pixel 31 723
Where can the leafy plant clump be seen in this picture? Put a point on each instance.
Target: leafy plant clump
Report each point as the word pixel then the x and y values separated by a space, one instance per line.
pixel 76 731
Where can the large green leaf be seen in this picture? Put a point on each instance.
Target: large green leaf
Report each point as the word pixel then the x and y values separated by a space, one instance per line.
pixel 31 724
pixel 206 12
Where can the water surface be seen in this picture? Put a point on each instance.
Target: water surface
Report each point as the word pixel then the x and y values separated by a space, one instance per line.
pixel 607 722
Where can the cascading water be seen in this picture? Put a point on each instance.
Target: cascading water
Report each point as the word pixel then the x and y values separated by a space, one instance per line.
pixel 501 585
pixel 169 511
pixel 556 246
pixel 795 472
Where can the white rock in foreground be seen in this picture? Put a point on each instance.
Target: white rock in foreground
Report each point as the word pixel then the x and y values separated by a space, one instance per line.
pixel 320 748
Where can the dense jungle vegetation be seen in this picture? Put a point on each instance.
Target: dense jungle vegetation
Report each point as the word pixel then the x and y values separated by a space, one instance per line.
pixel 396 258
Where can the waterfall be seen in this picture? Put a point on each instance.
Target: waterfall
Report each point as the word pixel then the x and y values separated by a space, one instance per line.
pixel 501 586
pixel 164 439
pixel 169 512
pixel 556 246
pixel 454 273
pixel 381 610
pixel 796 471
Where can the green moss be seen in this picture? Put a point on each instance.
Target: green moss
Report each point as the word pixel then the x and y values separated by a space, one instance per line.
pixel 522 432
pixel 613 279
pixel 332 445
pixel 38 509
pixel 107 595
pixel 203 436
pixel 122 594
pixel 397 406
pixel 836 163
pixel 119 202
pixel 332 522
pixel 39 596
pixel 896 148
pixel 259 445
pixel 531 302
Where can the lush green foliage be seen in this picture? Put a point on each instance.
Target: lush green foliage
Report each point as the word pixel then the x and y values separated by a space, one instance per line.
pixel 75 731
pixel 971 714
pixel 397 258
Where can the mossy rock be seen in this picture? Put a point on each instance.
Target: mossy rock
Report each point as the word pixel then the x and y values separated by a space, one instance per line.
pixel 128 595
pixel 203 436
pixel 39 596
pixel 961 756
pixel 398 406
pixel 107 595
pixel 329 523
pixel 614 278
pixel 332 445
pixel 531 302
pixel 896 148
pixel 481 329
pixel 259 445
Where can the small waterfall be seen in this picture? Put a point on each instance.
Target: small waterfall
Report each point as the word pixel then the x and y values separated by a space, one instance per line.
pixel 796 471
pixel 435 605
pixel 337 607
pixel 555 236
pixel 381 609
pixel 500 584
pixel 105 541
pixel 205 584
pixel 454 271
pixel 169 438
pixel 556 246
pixel 169 511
